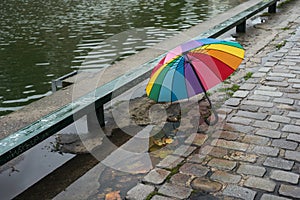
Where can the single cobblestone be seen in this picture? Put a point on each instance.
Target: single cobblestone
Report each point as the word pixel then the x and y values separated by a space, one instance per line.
pixel 249 108
pixel 284 176
pixel 254 139
pixel 266 125
pixel 230 144
pixel 294 96
pixel 284 144
pixel 184 150
pixel 233 102
pixel 288 63
pixel 175 191
pixel 260 183
pixel 196 139
pixel 170 162
pixel 238 128
pixel 258 75
pixel 279 54
pixel 140 192
pixel 206 185
pixel 225 177
pixel 265 69
pixel 180 179
pixel 251 170
pixel 289 91
pixel 293 137
pixel 268 93
pixel 284 101
pixel 277 84
pixel 292 155
pixel 247 86
pixel 196 158
pixel 240 120
pixel 158 197
pixel 268 88
pixel 224 110
pixel 273 78
pixel 259 98
pixel 294 80
pixel 269 151
pixel 270 64
pixel 280 69
pixel 294 70
pixel 294 115
pixel 258 103
pixel 291 128
pixel 222 164
pixel 226 135
pixel 239 192
pixel 240 94
pixel 252 115
pixel 214 151
pixel 156 176
pixel 194 169
pixel 268 133
pixel 241 156
pixel 290 191
pixel 272 197
pixel 286 75
pixel 279 163
pixel 297 86
pixel 280 119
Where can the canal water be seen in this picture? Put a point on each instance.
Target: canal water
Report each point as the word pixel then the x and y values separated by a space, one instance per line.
pixel 42 40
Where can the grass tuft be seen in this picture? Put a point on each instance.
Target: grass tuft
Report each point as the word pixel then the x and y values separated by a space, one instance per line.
pixel 248 75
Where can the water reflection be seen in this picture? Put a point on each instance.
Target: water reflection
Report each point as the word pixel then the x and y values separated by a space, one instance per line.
pixel 42 40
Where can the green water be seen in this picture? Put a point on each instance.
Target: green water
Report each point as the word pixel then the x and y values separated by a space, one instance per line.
pixel 42 40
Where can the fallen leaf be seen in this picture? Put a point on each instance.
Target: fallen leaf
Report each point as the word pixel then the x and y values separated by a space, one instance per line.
pixel 163 141
pixel 168 140
pixel 113 196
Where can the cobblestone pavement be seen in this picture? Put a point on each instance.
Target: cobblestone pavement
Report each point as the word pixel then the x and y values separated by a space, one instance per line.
pixel 255 152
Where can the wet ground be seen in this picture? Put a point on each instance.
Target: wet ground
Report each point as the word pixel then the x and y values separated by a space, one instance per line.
pixel 88 162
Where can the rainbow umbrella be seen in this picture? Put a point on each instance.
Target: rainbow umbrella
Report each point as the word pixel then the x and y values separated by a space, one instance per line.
pixel 193 68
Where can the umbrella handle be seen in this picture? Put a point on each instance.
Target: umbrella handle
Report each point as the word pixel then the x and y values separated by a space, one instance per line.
pixel 212 123
pixel 213 111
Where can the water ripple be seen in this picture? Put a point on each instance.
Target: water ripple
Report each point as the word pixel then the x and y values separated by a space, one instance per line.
pixel 43 40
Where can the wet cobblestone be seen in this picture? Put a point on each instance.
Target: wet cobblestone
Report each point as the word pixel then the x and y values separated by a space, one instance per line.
pixel 254 152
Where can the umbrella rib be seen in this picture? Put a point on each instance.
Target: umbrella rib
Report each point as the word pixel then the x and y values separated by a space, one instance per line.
pixel 172 84
pixel 201 84
pixel 218 76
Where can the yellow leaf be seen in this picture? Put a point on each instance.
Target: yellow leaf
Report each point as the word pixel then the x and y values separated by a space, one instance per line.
pixel 113 196
pixel 158 142
pixel 168 140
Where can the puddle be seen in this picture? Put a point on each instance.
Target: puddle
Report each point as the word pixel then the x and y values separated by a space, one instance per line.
pixel 30 167
pixel 258 20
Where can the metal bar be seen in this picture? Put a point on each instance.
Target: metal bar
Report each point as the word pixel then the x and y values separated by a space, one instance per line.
pixel 272 8
pixel 95 119
pixel 236 20
pixel 57 83
pixel 241 28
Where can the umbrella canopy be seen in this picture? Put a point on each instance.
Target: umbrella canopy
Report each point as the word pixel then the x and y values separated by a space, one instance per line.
pixel 192 68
